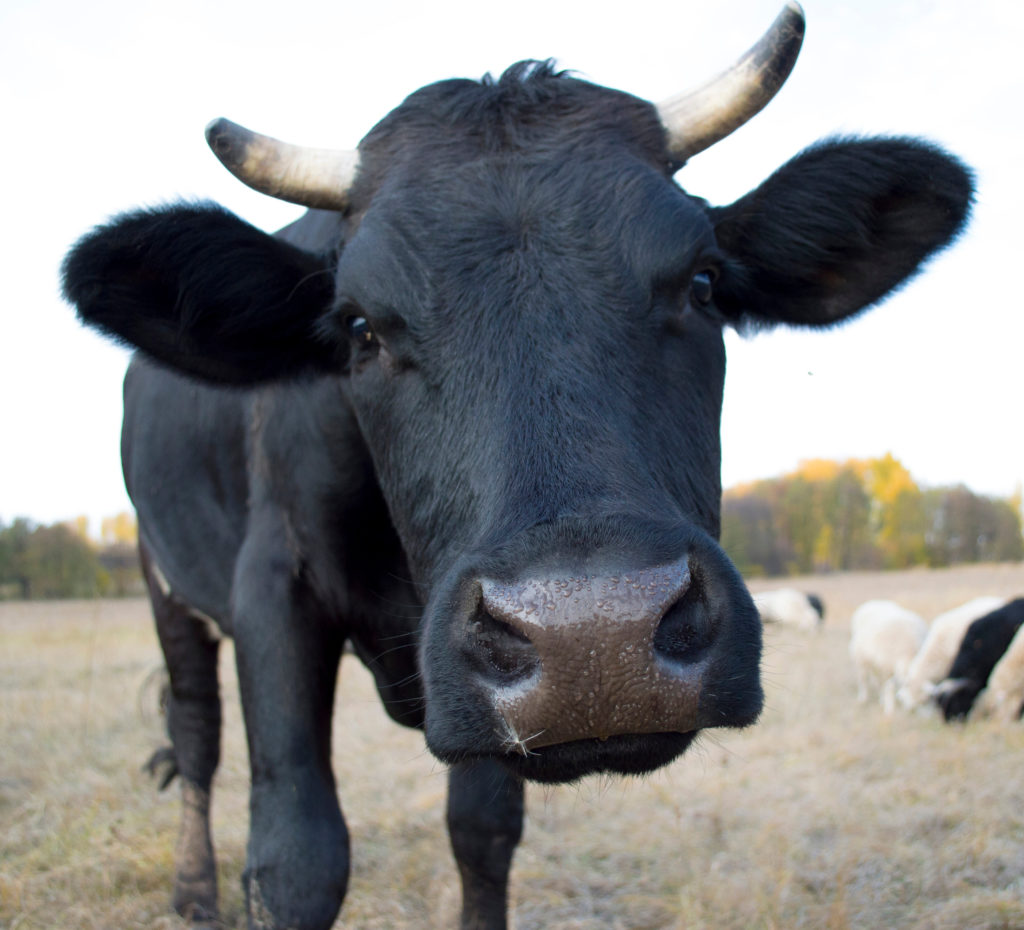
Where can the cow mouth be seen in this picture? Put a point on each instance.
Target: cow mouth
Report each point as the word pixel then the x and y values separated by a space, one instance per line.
pixel 617 755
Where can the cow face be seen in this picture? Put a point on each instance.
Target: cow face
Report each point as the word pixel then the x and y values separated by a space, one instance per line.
pixel 526 314
pixel 539 382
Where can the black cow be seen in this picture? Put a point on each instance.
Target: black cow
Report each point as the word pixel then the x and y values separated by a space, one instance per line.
pixel 464 416
pixel 983 645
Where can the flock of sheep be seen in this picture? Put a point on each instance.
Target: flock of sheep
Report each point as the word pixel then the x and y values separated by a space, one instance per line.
pixel 969 662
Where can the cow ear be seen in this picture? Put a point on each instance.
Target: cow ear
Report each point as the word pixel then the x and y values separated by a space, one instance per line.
pixel 837 229
pixel 205 293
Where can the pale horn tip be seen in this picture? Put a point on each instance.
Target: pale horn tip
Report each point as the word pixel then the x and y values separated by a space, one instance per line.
pixel 698 119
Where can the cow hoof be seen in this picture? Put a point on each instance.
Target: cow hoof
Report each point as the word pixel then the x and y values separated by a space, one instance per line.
pixel 285 910
pixel 195 898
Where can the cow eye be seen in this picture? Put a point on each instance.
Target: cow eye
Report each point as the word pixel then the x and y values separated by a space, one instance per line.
pixel 361 332
pixel 701 288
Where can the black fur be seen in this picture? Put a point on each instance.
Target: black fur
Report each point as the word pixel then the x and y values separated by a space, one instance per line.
pixel 187 283
pixel 838 228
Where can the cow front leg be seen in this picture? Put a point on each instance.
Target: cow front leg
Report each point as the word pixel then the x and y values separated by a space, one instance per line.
pixel 485 823
pixel 287 653
pixel 193 715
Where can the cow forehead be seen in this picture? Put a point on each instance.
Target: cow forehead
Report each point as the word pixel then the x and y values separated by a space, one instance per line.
pixel 530 109
pixel 535 170
pixel 611 225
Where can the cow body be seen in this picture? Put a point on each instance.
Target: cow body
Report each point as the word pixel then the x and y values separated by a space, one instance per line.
pixel 470 428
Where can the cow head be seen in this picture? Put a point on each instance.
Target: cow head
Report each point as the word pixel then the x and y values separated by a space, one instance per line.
pixel 525 312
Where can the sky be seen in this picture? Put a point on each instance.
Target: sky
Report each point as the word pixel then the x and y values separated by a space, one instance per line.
pixel 104 103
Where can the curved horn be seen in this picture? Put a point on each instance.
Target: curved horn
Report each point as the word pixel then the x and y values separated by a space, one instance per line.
pixel 698 119
pixel 318 178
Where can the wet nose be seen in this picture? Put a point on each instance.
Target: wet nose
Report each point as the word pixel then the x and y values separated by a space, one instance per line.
pixel 585 656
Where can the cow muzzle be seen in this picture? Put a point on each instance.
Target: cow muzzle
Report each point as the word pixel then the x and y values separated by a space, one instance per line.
pixel 583 657
pixel 549 659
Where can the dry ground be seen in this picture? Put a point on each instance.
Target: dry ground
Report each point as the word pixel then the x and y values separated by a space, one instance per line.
pixel 825 815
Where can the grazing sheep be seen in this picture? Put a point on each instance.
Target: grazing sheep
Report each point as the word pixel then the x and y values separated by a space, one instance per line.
pixel 790 608
pixel 984 644
pixel 884 638
pixel 935 657
pixel 1003 698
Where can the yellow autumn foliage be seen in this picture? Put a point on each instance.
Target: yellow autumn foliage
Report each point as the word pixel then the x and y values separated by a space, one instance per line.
pixel 863 514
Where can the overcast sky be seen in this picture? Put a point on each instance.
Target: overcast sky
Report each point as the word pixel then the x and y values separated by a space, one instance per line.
pixel 103 106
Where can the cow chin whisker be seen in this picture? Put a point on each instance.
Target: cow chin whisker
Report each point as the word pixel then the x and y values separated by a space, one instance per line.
pixel 512 742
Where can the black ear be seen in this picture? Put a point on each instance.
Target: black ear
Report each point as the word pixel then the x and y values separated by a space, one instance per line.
pixel 837 229
pixel 202 291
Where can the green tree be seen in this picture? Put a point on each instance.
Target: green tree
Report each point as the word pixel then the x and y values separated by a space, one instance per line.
pixel 14 542
pixel 750 532
pixel 843 512
pixel 123 576
pixel 47 562
pixel 966 527
pixel 59 563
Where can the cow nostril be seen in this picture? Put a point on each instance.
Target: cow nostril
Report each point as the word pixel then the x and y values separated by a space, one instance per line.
pixel 685 631
pixel 500 652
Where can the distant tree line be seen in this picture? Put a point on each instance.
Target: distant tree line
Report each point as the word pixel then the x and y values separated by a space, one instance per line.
pixel 61 561
pixel 863 514
pixel 825 516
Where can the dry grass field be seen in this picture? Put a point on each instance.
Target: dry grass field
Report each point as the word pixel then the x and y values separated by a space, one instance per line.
pixel 825 815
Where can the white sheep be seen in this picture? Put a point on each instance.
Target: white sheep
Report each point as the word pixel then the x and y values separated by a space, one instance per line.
pixel 937 652
pixel 790 607
pixel 1004 695
pixel 884 638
